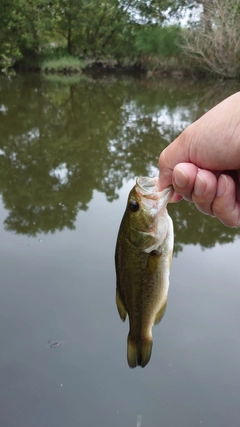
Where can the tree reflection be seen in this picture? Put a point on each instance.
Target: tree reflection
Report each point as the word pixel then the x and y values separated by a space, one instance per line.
pixel 193 227
pixel 61 142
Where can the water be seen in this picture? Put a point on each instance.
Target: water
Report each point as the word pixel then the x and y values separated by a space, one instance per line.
pixel 69 154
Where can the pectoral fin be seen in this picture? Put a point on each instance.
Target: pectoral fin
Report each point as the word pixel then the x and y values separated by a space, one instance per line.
pixel 153 261
pixel 120 306
pixel 160 313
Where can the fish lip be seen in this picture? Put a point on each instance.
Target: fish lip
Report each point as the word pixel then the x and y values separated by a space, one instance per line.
pixel 149 190
pixel 147 185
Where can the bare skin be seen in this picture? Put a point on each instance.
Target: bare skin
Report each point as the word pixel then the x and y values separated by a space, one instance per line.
pixel 203 163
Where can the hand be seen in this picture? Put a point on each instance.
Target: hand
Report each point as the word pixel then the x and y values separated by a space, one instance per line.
pixel 203 163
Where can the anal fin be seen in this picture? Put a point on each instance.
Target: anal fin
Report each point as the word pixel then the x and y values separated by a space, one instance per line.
pixel 160 313
pixel 120 306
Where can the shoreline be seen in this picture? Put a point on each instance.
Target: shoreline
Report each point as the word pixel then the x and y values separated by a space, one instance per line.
pixel 105 66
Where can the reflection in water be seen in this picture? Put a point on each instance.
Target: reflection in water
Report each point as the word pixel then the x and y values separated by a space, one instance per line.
pixel 61 142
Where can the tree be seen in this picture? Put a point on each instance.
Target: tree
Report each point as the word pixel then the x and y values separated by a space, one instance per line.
pixel 215 40
pixel 24 27
pixel 156 11
pixel 90 27
pixel 96 28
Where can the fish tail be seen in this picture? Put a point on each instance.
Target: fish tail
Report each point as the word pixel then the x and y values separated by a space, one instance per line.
pixel 138 351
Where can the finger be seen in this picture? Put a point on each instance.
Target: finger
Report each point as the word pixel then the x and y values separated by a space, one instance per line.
pixel 204 191
pixel 225 206
pixel 184 175
pixel 238 186
pixel 175 197
pixel 172 155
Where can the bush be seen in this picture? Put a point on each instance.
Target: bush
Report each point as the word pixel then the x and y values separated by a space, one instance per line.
pixel 214 42
pixel 158 41
pixel 65 65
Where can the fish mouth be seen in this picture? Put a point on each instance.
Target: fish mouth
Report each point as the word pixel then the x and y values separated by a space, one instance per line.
pixel 148 189
pixel 151 198
pixel 147 185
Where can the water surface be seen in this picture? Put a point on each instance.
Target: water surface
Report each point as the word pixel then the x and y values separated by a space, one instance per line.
pixel 69 154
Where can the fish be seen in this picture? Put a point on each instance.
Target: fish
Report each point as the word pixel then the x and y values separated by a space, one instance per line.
pixel 143 258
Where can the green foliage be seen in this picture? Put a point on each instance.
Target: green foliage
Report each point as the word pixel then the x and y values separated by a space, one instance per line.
pixel 63 64
pixel 157 40
pixel 24 28
pixel 90 28
pixel 128 31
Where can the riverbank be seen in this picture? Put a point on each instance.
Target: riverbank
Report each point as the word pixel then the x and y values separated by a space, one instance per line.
pixel 176 67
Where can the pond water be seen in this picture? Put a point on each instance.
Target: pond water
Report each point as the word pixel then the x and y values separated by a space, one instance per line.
pixel 70 151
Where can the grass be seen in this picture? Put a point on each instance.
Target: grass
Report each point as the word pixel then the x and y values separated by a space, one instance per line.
pixel 63 65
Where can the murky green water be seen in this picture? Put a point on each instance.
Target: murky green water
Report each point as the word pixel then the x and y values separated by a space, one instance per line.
pixel 69 154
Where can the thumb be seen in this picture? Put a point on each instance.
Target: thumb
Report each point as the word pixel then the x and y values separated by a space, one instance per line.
pixel 176 152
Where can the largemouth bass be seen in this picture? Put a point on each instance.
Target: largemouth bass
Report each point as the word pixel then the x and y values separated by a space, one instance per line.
pixel 143 257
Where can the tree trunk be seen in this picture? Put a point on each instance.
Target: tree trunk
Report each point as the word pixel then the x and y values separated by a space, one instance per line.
pixel 69 37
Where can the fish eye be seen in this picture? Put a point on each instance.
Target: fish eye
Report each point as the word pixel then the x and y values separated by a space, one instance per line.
pixel 133 205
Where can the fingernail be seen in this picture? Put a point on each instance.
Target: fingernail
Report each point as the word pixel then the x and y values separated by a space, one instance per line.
pixel 199 186
pixel 222 185
pixel 180 178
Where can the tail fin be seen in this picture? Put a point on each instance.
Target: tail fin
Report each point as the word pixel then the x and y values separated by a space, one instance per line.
pixel 138 351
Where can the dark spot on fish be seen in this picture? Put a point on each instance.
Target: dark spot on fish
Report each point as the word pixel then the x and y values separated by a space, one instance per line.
pixel 133 205
pixel 155 253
